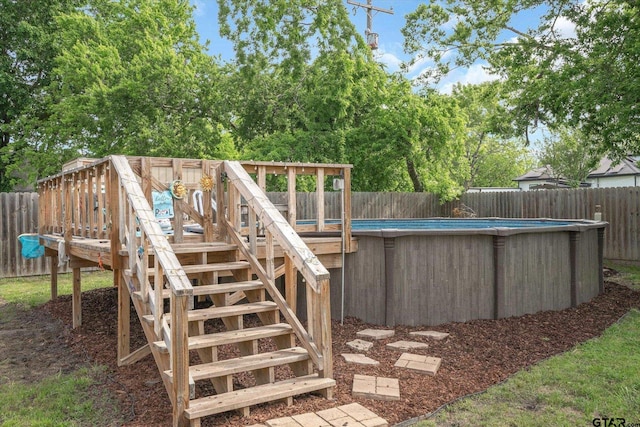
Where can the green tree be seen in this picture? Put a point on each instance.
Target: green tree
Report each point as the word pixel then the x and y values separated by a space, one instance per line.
pixel 493 154
pixel 568 156
pixel 27 49
pixel 308 89
pixel 588 79
pixel 130 78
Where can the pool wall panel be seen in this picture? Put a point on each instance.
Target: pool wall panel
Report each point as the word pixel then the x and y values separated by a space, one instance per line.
pixel 537 272
pixel 410 277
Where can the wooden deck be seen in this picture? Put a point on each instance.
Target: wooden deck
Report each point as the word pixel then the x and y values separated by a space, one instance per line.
pixel 103 214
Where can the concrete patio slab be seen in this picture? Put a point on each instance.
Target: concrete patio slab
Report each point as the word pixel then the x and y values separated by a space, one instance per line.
pixel 376 334
pixel 360 359
pixel 378 388
pixel 417 362
pixel 431 334
pixel 407 345
pixel 360 345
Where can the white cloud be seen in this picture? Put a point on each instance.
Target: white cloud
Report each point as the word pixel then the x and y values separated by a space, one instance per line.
pixel 473 75
pixel 565 28
pixel 200 7
pixel 391 61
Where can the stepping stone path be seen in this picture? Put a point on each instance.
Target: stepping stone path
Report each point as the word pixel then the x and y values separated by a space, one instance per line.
pixel 360 345
pixel 407 345
pixel 378 388
pixel 376 334
pixel 417 362
pixel 353 414
pixel 359 358
pixel 431 334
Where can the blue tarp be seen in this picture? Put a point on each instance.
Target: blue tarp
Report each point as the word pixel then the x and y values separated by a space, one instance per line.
pixel 31 247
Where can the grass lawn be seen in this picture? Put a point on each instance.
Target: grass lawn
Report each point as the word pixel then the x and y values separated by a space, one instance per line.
pixel 35 290
pixel 78 398
pixel 596 380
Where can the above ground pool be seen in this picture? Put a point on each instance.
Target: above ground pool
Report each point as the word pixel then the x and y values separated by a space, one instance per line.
pixel 433 271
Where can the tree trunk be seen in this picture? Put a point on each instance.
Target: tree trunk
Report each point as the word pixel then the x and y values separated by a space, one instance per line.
pixel 415 178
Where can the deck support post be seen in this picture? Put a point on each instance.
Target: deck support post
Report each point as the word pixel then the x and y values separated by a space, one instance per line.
pixel 574 237
pixel 53 266
pixel 498 277
pixel 76 301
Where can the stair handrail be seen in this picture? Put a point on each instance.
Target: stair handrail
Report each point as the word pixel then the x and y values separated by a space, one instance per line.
pixel 318 341
pixel 165 259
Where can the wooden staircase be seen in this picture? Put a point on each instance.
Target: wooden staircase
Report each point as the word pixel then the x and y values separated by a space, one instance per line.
pixel 222 335
pixel 261 349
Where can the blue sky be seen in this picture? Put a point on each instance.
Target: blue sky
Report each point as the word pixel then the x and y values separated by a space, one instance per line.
pixel 386 25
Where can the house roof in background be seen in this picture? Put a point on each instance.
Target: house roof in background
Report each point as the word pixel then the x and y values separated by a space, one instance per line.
pixel 538 174
pixel 628 166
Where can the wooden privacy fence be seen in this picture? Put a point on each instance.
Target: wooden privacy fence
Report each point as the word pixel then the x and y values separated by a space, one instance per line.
pixel 620 207
pixel 18 215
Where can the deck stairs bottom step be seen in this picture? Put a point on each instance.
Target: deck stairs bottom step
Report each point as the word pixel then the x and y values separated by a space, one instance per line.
pixel 240 399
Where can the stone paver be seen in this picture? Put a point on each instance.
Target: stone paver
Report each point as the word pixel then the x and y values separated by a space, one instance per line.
pixel 351 415
pixel 360 359
pixel 311 420
pixel 417 362
pixel 379 388
pixel 283 422
pixel 407 345
pixel 431 334
pixel 376 334
pixel 360 345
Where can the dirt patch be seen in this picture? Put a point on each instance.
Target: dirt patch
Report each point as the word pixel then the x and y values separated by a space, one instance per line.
pixel 33 345
pixel 476 355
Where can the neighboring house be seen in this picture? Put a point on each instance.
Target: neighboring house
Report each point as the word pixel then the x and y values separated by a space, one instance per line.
pixel 623 174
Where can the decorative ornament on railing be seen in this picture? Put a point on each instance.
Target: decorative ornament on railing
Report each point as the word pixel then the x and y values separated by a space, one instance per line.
pixel 206 182
pixel 178 189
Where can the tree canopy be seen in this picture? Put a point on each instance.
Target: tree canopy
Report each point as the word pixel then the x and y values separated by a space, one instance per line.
pixel 579 67
pixel 493 153
pixel 131 77
pixel 27 50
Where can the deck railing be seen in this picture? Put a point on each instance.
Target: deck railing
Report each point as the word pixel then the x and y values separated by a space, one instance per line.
pixel 262 214
pixel 321 172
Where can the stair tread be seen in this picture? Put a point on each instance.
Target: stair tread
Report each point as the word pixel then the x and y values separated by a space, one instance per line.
pixel 190 248
pixel 255 395
pixel 246 363
pixel 208 268
pixel 231 310
pixel 223 288
pixel 240 335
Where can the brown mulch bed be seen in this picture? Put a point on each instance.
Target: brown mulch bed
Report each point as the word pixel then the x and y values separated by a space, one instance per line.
pixel 476 355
